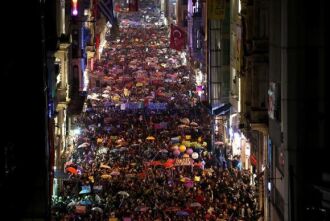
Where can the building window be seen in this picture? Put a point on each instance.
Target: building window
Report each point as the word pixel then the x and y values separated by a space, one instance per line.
pixel 197 8
pixel 279 161
pixel 278 202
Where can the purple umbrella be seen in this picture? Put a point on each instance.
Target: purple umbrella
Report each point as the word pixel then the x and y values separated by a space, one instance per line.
pixel 182 213
pixel 189 184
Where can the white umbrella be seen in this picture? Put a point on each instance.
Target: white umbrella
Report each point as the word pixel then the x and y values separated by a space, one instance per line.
pixel 105 166
pixel 83 145
pixel 185 120
pixel 123 193
pixel 102 150
pixel 97 209
pixel 72 204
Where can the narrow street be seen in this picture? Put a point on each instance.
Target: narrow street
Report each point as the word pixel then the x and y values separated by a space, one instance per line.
pixel 142 148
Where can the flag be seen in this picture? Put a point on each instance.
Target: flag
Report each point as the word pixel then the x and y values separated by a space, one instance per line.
pixel 177 38
pixel 117 7
pixel 106 7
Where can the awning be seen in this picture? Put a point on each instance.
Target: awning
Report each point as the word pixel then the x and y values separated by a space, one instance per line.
pixel 222 110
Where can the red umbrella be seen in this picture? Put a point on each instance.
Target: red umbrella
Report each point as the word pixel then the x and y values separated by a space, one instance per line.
pixel 72 170
pixel 155 163
pixel 172 209
pixel 168 164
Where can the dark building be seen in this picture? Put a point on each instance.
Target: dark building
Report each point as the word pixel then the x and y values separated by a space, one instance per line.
pixel 299 123
pixel 24 149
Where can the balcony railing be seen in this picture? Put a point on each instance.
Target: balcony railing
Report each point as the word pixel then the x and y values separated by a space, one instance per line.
pixel 61 95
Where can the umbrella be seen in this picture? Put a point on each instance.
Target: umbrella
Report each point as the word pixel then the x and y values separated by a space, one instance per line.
pixel 105 166
pixel 115 173
pixel 189 184
pixel 85 190
pixel 142 209
pixel 98 188
pixel 72 170
pixel 72 204
pixel 185 179
pixel 105 176
pixel 172 209
pixel 123 148
pixel 123 193
pixel 195 204
pixel 168 164
pixel 163 151
pixel 150 138
pixel 85 202
pixel 102 150
pixel 155 163
pixel 114 150
pixel 183 126
pixel 194 124
pixel 69 163
pixel 164 131
pixel 185 120
pixel 83 145
pixel 97 209
pixel 130 175
pixel 182 213
pixel 80 209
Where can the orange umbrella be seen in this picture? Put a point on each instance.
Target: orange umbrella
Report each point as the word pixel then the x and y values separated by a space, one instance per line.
pixel 150 138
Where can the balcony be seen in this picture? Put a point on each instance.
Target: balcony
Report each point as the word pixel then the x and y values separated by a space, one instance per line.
pixel 76 103
pixel 61 95
pixel 64 39
pixel 258 115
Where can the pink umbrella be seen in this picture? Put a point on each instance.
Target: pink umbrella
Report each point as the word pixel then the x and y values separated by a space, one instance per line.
pixel 115 173
pixel 189 184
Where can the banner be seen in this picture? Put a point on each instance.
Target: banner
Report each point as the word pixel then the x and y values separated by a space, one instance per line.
pixel 177 38
pixel 134 106
pixel 157 106
pixel 184 162
pixel 216 9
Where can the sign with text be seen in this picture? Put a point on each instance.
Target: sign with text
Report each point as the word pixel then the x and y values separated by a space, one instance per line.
pixel 184 162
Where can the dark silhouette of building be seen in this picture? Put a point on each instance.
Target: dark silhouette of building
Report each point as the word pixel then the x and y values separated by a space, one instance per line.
pixel 24 157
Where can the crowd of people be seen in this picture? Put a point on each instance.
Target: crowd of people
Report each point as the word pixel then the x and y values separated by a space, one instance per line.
pixel 144 152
